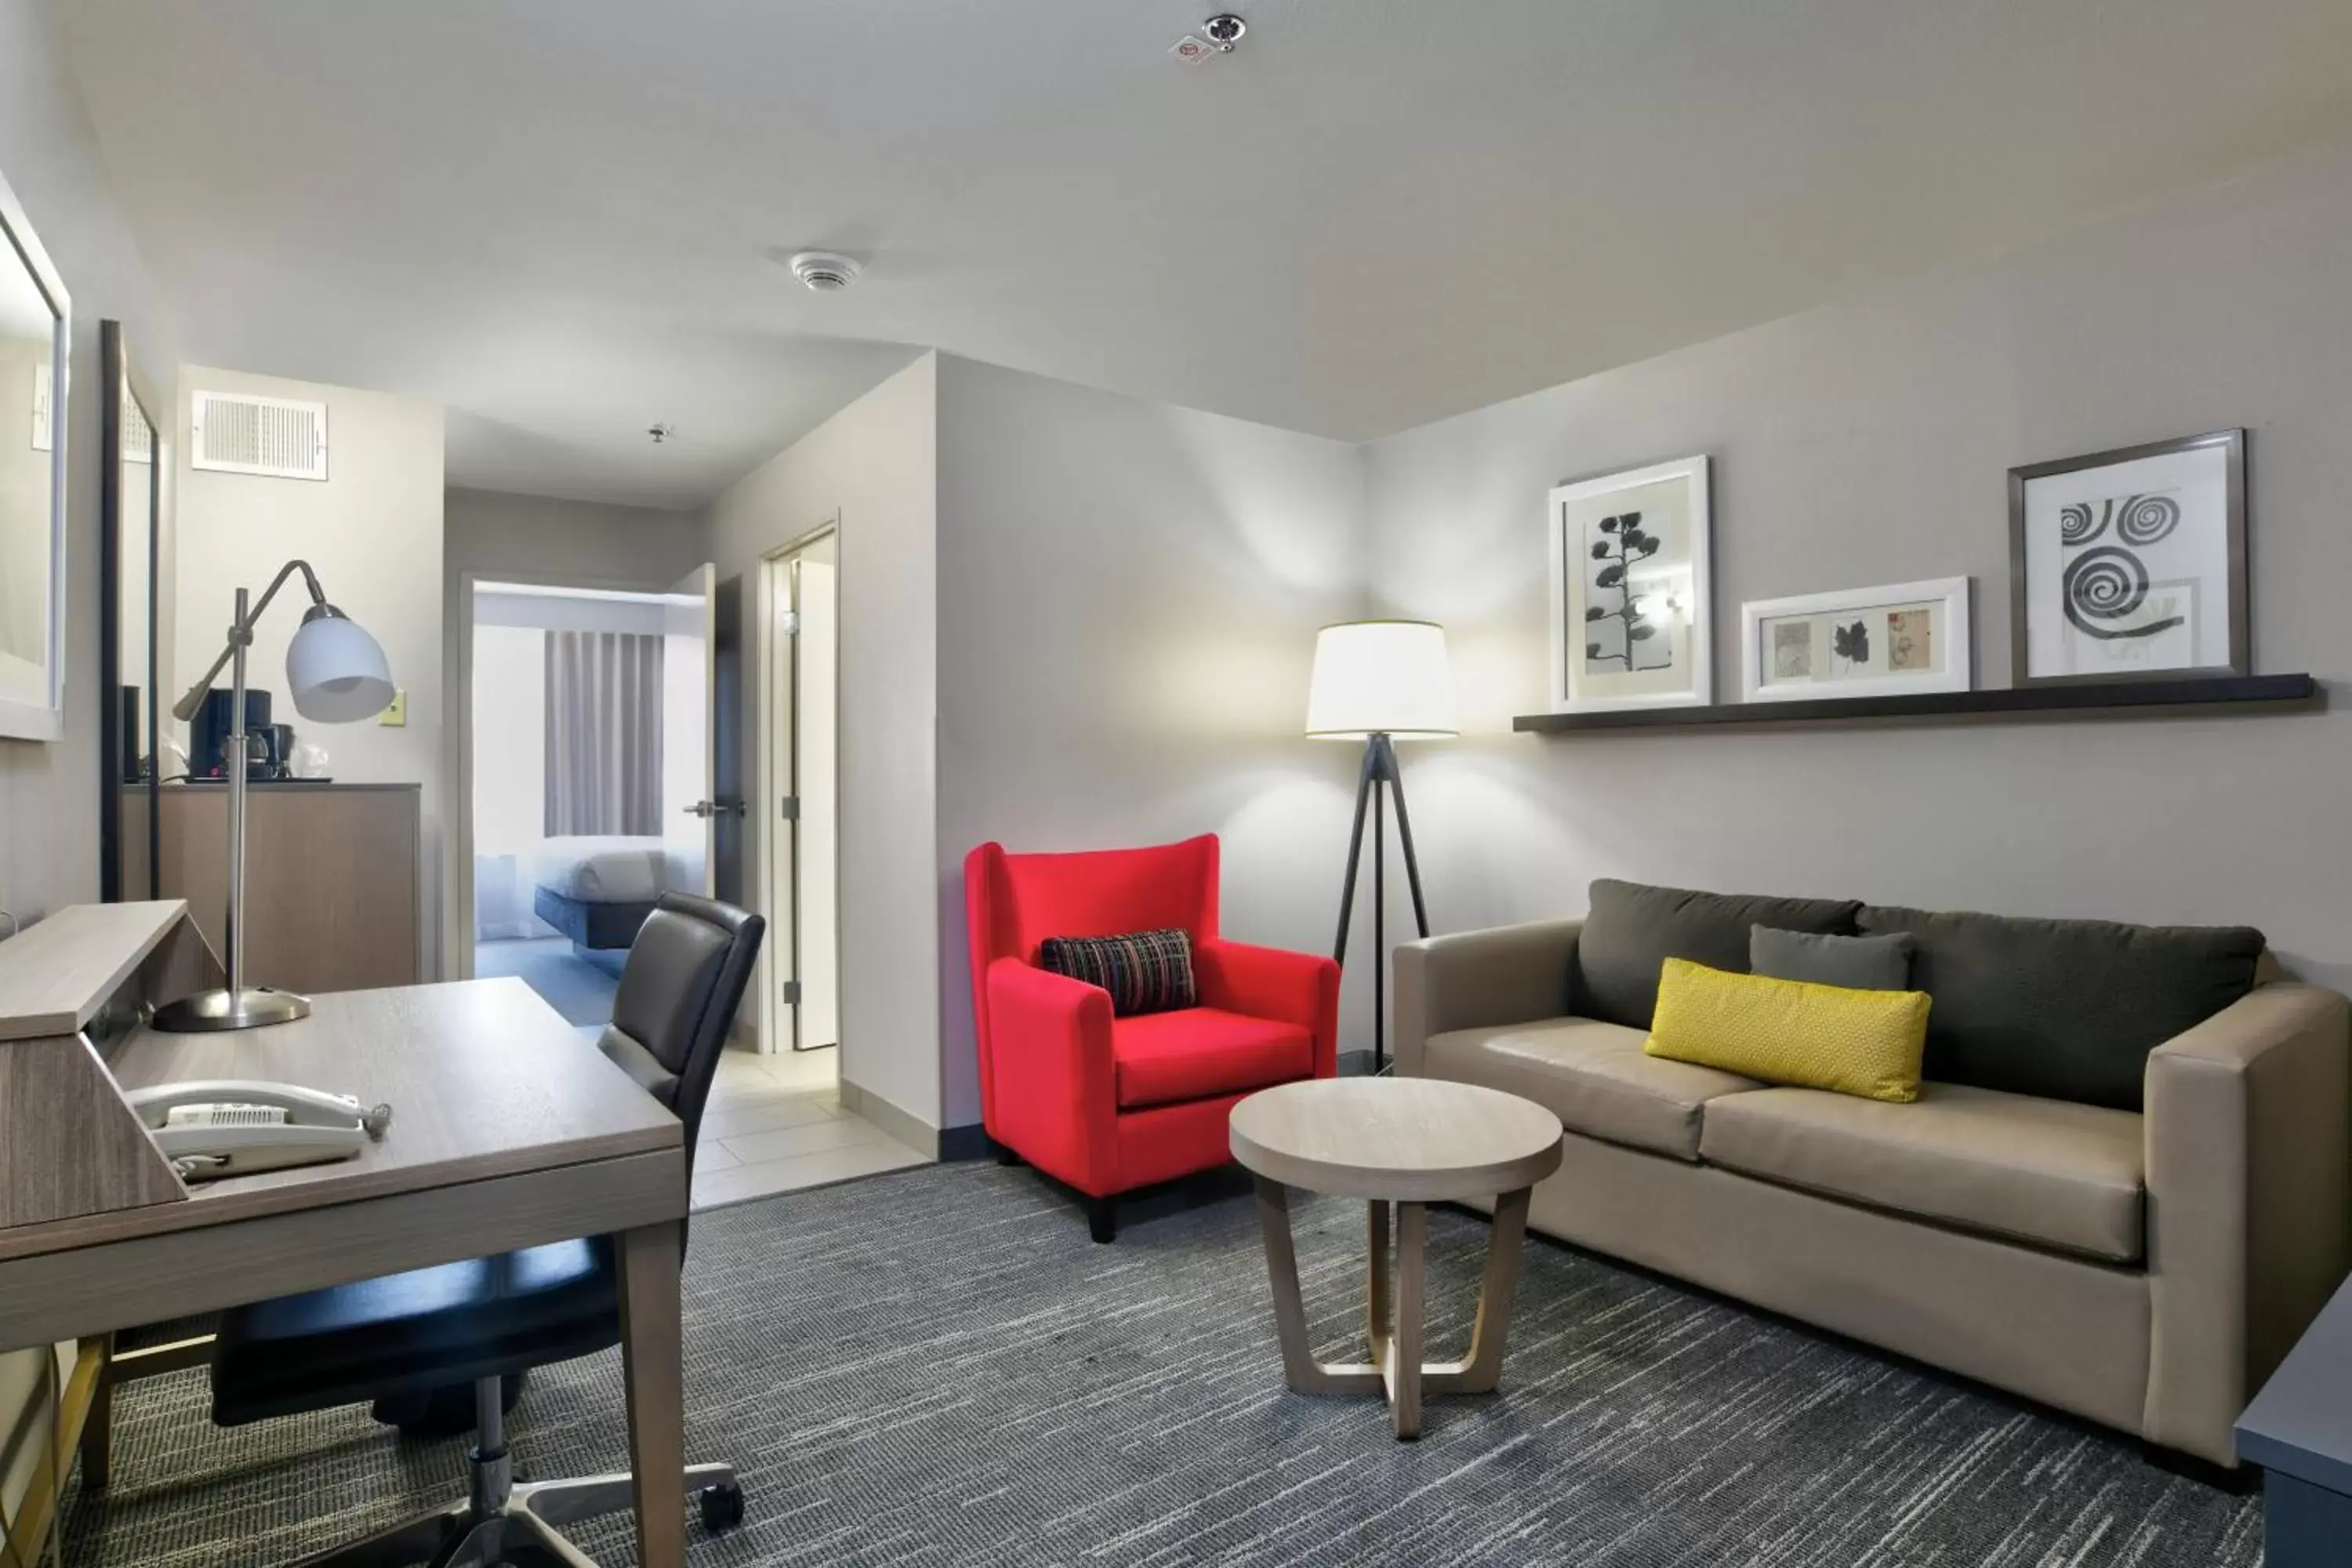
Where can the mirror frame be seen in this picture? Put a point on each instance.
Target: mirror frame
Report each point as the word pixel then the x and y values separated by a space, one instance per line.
pixel 20 719
pixel 117 510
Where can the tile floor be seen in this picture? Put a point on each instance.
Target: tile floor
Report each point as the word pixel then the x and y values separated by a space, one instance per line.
pixel 775 1123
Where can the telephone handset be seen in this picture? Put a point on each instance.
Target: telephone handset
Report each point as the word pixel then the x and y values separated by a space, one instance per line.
pixel 231 1127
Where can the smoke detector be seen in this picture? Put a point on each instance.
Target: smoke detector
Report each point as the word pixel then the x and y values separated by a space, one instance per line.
pixel 826 271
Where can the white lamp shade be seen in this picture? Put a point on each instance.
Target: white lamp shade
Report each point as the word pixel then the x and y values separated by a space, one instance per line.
pixel 1381 678
pixel 337 672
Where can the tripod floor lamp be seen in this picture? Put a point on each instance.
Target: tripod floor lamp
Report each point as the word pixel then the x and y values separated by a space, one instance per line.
pixel 337 674
pixel 1380 682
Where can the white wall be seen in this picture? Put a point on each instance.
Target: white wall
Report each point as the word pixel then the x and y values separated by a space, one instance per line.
pixel 49 793
pixel 1868 443
pixel 1129 598
pixel 875 465
pixel 372 530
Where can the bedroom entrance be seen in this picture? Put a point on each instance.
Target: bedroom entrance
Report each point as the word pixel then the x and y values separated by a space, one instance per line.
pixel 589 762
pixel 799 731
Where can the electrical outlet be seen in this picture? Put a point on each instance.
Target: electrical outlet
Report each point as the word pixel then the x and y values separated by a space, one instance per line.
pixel 395 713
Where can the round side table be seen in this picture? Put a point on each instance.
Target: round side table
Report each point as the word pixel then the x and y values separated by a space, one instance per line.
pixel 1411 1142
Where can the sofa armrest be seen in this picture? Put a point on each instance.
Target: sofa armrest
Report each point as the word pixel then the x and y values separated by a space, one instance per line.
pixel 1300 988
pixel 1477 979
pixel 2249 1150
pixel 1056 1088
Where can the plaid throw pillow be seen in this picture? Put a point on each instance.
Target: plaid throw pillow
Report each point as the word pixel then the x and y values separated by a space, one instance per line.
pixel 1145 970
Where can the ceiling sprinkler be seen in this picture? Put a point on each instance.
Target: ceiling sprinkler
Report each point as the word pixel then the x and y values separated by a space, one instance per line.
pixel 1217 35
pixel 1224 30
pixel 661 433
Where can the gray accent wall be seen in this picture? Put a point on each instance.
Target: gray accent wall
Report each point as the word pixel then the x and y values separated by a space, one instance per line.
pixel 1868 443
pixel 1129 598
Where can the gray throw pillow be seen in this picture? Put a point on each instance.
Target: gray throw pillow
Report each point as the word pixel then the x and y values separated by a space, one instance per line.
pixel 1856 962
pixel 2064 1009
pixel 1632 930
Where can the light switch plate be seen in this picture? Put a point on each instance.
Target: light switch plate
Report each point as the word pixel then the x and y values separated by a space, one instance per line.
pixel 395 713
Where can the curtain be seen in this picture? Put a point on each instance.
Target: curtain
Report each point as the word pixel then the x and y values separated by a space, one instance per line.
pixel 604 733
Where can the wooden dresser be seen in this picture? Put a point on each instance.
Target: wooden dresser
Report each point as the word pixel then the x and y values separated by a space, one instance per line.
pixel 331 895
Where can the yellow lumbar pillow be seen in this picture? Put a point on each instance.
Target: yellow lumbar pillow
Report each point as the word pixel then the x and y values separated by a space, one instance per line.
pixel 1791 1031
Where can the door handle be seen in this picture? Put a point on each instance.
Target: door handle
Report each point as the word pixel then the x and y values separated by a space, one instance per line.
pixel 709 808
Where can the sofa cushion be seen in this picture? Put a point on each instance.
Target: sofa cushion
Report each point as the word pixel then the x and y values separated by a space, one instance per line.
pixel 1632 930
pixel 1161 1057
pixel 1592 1075
pixel 1835 1037
pixel 1856 962
pixel 2063 1176
pixel 2064 1009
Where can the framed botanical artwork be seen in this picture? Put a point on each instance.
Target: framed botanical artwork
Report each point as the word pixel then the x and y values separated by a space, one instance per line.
pixel 1858 642
pixel 1630 609
pixel 2131 563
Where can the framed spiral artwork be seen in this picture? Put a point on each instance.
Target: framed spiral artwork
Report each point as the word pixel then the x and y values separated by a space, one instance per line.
pixel 2131 563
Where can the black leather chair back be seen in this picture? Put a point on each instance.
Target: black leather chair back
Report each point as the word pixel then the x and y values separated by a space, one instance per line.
pixel 685 976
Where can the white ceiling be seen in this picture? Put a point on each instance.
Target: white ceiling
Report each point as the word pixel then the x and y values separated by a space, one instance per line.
pixel 558 217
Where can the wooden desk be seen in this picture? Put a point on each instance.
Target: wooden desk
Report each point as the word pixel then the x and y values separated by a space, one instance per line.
pixel 508 1131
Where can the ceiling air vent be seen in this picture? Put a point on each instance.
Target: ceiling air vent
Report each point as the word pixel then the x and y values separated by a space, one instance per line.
pixel 236 433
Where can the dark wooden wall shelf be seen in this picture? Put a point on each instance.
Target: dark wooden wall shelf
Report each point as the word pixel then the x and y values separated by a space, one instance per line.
pixel 2216 695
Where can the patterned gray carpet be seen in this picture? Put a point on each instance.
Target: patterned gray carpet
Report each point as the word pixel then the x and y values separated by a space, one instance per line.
pixel 938 1368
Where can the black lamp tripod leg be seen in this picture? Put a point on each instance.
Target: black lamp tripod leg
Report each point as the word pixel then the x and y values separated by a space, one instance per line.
pixel 1364 781
pixel 1404 835
pixel 1380 781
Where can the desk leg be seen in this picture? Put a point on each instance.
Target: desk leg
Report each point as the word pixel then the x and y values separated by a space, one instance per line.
pixel 97 1426
pixel 652 1361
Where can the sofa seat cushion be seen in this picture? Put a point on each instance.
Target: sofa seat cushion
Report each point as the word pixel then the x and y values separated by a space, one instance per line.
pixel 1194 1053
pixel 1593 1076
pixel 2046 1172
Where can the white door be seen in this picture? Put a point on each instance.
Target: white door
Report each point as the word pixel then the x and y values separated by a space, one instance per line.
pixel 816 642
pixel 801 723
pixel 689 728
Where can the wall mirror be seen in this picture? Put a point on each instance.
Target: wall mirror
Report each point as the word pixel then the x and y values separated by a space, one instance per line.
pixel 35 335
pixel 134 455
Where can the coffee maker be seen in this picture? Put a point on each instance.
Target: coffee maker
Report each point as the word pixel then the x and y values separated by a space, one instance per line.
pixel 269 746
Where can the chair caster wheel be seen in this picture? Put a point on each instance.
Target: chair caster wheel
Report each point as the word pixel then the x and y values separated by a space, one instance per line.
pixel 723 1507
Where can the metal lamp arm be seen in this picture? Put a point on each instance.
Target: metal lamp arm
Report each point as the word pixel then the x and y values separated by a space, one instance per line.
pixel 240 634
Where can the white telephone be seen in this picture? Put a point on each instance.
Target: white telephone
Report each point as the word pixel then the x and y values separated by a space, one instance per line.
pixel 227 1127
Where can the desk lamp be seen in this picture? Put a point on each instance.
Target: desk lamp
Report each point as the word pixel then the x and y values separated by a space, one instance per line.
pixel 339 676
pixel 1380 681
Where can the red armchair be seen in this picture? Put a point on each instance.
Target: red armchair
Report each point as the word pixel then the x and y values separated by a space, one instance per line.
pixel 1108 1105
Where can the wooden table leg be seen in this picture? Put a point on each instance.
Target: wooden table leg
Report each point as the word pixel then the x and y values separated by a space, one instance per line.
pixel 1482 1370
pixel 1299 1368
pixel 1403 1362
pixel 1377 1318
pixel 653 1364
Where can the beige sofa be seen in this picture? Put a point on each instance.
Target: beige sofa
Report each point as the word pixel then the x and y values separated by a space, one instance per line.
pixel 2144 1269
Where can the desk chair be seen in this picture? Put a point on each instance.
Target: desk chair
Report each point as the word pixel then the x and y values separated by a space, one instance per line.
pixel 487 1321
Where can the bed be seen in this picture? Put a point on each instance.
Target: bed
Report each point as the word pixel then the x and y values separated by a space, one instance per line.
pixel 599 890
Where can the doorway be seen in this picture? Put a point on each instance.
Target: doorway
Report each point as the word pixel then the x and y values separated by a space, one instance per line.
pixel 585 777
pixel 800 727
